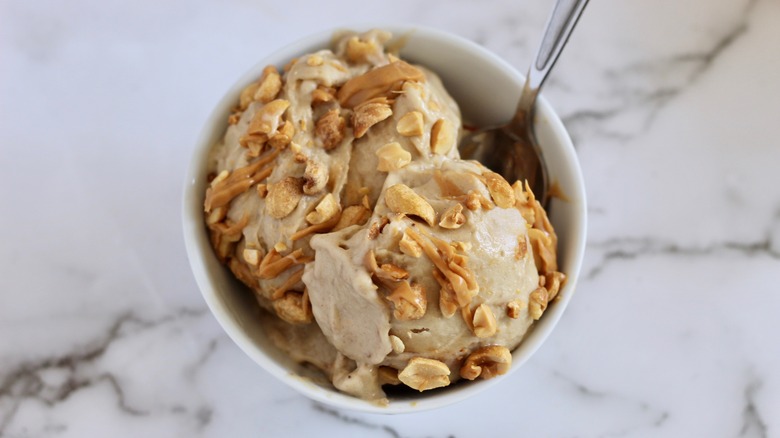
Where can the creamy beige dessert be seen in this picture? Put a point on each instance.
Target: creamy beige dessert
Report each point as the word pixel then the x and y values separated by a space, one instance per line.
pixel 338 196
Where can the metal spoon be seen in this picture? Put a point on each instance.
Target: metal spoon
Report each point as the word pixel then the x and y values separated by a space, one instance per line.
pixel 512 149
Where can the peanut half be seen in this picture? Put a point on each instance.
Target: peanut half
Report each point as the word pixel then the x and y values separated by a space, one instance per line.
pixel 423 374
pixel 392 157
pixel 486 362
pixel 283 197
pixel 402 199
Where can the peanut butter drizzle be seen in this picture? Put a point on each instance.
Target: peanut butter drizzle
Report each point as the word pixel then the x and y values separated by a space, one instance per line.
pixel 291 281
pixel 542 236
pixel 452 265
pixel 239 181
pixel 316 228
pixel 448 302
pixel 276 266
pixel 377 82
pixel 224 235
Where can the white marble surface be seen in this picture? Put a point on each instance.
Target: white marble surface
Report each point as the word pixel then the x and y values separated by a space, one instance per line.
pixel 674 330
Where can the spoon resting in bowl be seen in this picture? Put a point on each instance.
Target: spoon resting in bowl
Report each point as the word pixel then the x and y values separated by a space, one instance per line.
pixel 512 149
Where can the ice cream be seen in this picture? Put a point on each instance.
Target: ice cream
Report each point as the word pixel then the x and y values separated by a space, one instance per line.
pixel 381 258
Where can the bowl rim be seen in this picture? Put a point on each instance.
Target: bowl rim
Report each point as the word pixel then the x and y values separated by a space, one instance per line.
pixel 194 230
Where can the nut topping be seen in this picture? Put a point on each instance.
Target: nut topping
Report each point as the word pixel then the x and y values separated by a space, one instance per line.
pixel 409 301
pixel 283 137
pixel 368 114
pixel 442 137
pixel 453 218
pixel 500 190
pixel 273 264
pixel 294 307
pixel 358 50
pixel 392 157
pixel 411 124
pixel 484 322
pixel 408 246
pixel 486 362
pixel 247 95
pixel 325 210
pixel 543 250
pixel 283 197
pixel 314 177
pixel 352 215
pixel 448 299
pixel 513 308
pixel 474 201
pixel 553 282
pixel 391 272
pixel 270 85
pixel 322 94
pixel 423 374
pixel 251 256
pixel 329 129
pixel 401 199
pixel 397 344
pixel 537 303
pixel 267 119
pixel 377 82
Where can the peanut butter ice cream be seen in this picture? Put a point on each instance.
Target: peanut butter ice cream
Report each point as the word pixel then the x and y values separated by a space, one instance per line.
pixel 338 197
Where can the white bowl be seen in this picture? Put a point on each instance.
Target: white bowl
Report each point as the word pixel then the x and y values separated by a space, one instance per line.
pixel 487 89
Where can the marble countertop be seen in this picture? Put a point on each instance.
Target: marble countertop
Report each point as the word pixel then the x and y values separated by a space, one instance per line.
pixel 673 107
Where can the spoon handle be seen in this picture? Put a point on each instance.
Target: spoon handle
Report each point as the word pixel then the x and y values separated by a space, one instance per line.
pixel 559 27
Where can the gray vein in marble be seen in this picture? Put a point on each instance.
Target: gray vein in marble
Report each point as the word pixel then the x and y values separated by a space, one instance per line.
pixel 349 420
pixel 191 370
pixel 618 249
pixel 24 381
pixel 354 421
pixel 659 417
pixel 753 425
pixel 692 66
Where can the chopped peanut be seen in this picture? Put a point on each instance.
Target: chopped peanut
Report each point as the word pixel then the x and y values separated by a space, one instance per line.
pixel 453 218
pixel 283 197
pixel 484 322
pixel 513 308
pixel 294 307
pixel 402 199
pixel 408 246
pixel 368 114
pixel 423 374
pixel 314 177
pixel 392 157
pixel 409 301
pixel 329 129
pixel 486 362
pixel 500 190
pixel 411 124
pixel 325 210
pixel 537 303
pixel 267 119
pixel 270 85
pixel 442 137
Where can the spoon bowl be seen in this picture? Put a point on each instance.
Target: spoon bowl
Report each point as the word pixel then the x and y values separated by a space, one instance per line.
pixel 512 149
